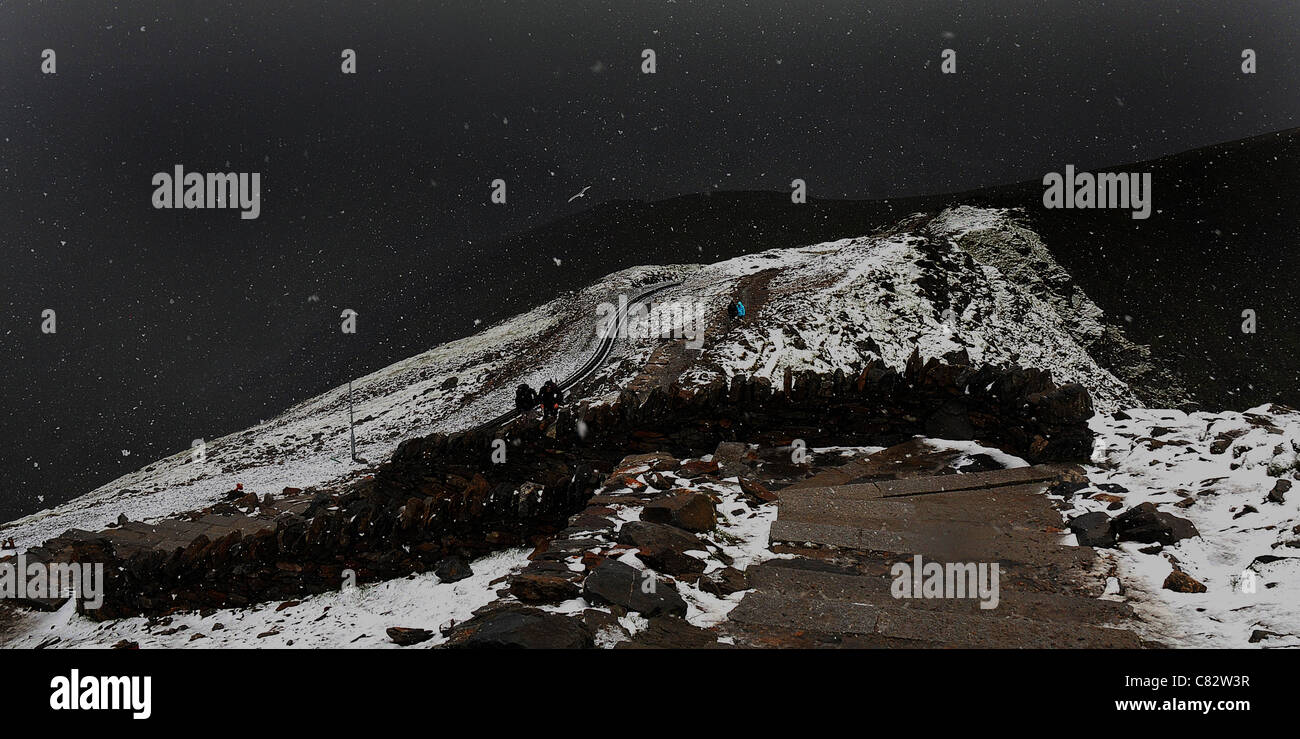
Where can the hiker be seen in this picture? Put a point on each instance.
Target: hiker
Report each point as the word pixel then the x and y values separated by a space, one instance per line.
pixel 525 398
pixel 550 396
pixel 736 310
pixel 731 309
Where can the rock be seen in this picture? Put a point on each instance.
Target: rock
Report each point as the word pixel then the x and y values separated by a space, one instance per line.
pixel 949 421
pixel 1279 491
pixel 124 644
pixel 663 547
pixel 623 585
pixel 1067 489
pixel 621 480
pixel 756 490
pixel 1259 635
pixel 604 626
pixel 1146 524
pixel 1113 502
pixel 659 461
pixel 666 632
pixel 452 569
pixel 405 637
pixel 698 468
pixel 657 481
pixel 1245 510
pixel 1224 440
pixel 533 587
pixel 287 604
pixel 730 458
pixel 525 628
pixel 684 509
pixel 1093 530
pixel 724 582
pixel 1181 582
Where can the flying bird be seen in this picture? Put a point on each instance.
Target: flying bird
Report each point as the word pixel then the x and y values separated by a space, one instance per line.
pixel 581 194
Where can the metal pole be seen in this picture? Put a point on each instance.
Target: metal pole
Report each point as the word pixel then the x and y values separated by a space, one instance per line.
pixel 352 434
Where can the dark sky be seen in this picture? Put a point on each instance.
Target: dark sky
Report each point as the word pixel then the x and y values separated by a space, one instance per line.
pixel 182 324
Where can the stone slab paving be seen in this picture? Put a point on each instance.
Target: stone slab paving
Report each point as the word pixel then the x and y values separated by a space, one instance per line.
pixel 846 538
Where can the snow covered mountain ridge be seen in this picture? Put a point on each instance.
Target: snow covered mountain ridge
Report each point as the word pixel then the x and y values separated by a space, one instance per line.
pixel 935 284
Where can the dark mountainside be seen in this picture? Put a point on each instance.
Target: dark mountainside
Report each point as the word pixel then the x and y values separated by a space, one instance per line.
pixel 1218 242
pixel 1223 237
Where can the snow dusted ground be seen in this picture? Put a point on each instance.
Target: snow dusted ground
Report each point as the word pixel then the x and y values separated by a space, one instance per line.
pixel 1165 457
pixel 741 535
pixel 360 617
pixel 453 386
pixel 356 618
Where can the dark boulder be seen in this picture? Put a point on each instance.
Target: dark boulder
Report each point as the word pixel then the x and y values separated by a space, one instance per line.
pixel 756 490
pixel 536 587
pixel 1279 491
pixel 657 481
pixel 525 628
pixel 619 584
pixel 452 569
pixel 683 509
pixel 724 582
pixel 663 547
pixel 666 632
pixel 1146 524
pixel 406 637
pixel 1093 530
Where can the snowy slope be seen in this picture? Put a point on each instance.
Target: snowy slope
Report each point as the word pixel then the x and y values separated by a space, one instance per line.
pixel 449 387
pixel 1215 469
pixel 827 305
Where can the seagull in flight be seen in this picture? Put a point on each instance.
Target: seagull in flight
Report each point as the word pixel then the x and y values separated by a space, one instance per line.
pixel 581 194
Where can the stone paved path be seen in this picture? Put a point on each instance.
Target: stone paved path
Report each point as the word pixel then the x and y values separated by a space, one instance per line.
pixel 836 589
